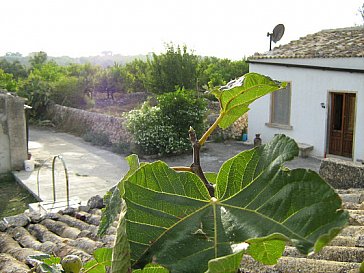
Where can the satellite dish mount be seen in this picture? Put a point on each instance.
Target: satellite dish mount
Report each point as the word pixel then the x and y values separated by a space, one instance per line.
pixel 276 35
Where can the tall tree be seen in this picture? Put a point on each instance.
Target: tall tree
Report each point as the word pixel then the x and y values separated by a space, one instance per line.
pixel 135 76
pixel 38 59
pixel 15 68
pixel 177 68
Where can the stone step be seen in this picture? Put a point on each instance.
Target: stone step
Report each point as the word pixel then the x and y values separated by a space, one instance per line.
pixel 301 265
pixel 357 198
pixel 354 231
pixel 345 241
pixel 331 253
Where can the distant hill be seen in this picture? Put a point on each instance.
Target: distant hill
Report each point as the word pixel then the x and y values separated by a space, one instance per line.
pixel 102 60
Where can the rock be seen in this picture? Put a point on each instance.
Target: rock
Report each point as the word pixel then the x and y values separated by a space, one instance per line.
pixel 51 215
pixel 84 208
pixel 35 217
pixel 96 202
pixel 69 211
pixel 20 220
pixel 2 225
pixel 360 241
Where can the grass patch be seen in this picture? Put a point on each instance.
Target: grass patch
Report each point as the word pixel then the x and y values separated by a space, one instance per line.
pixel 14 199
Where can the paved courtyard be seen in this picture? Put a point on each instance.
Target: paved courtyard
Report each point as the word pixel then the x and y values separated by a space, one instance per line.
pixel 93 170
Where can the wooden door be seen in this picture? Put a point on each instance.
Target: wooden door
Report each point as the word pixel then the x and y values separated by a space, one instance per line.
pixel 342 118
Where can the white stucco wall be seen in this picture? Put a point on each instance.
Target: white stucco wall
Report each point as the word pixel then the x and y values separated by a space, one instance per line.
pixel 310 87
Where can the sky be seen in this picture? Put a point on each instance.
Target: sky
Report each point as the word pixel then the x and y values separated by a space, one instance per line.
pixel 231 29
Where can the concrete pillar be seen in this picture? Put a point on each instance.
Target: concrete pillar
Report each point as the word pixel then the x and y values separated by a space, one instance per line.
pixel 13 142
pixel 5 165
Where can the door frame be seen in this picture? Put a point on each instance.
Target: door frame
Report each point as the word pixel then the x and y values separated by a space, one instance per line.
pixel 328 121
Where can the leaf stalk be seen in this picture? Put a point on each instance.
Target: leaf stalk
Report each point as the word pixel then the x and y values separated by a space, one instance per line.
pixel 211 129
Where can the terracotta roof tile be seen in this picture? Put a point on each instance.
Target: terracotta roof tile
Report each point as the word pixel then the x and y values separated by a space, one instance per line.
pixel 333 43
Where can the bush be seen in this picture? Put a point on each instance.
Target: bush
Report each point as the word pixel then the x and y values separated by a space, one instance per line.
pixel 183 109
pixel 163 129
pixel 97 138
pixel 67 92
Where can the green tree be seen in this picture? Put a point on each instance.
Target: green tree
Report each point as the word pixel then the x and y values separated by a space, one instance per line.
pixel 135 76
pixel 13 54
pixel 39 85
pixel 171 70
pixel 15 68
pixel 213 71
pixel 7 82
pixel 38 59
pixel 110 81
pixel 68 91
pixel 87 75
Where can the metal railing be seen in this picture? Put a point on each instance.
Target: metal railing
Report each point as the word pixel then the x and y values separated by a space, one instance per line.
pixel 54 178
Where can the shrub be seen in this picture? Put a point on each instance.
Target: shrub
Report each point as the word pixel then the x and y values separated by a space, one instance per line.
pixel 162 129
pixel 183 109
pixel 97 138
pixel 67 92
pixel 151 133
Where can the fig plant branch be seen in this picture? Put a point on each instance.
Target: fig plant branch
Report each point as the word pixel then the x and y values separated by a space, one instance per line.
pixel 196 164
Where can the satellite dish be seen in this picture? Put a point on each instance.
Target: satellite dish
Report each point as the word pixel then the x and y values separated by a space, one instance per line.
pixel 278 32
pixel 276 35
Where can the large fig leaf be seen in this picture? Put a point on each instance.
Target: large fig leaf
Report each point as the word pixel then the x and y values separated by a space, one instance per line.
pixel 226 264
pixel 112 198
pixel 236 96
pixel 172 220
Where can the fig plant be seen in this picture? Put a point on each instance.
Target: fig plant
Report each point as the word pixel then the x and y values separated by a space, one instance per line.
pixel 72 263
pixel 181 219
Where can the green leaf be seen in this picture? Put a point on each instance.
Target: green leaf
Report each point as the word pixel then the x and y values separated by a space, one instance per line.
pixel 236 96
pixel 39 257
pixel 112 198
pixel 172 220
pixel 152 268
pixel 361 269
pixel 239 171
pixel 52 260
pixel 113 203
pixel 50 269
pixel 47 262
pixel 121 253
pixel 93 266
pixel 267 250
pixel 211 177
pixel 102 258
pixel 225 264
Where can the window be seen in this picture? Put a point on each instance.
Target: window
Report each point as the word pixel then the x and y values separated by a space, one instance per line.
pixel 281 106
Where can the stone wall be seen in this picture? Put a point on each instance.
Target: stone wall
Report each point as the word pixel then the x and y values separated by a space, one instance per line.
pixel 81 122
pixel 13 141
pixel 342 174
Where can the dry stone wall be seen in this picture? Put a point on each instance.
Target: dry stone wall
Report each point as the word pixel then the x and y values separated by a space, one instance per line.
pixel 342 174
pixel 82 122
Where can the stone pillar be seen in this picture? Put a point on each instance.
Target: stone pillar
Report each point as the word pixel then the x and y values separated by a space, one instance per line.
pixel 13 133
pixel 5 165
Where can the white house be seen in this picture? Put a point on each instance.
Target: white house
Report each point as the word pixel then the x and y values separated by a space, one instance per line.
pixel 323 104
